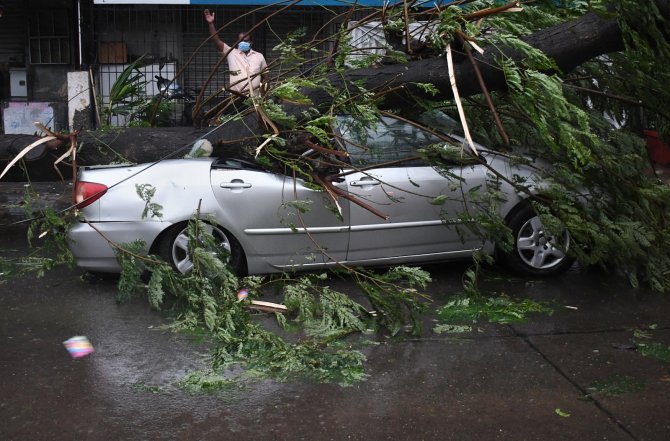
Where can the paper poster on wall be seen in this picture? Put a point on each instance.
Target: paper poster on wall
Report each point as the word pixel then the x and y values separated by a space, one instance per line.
pixel 20 118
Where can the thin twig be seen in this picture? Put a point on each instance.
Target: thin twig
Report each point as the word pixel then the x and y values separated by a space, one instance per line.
pixel 490 11
pixel 327 151
pixel 487 95
pixel 326 182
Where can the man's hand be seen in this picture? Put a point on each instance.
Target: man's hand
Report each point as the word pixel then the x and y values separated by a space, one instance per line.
pixel 209 18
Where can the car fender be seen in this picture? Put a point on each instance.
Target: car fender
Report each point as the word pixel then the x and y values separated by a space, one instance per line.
pixel 174 190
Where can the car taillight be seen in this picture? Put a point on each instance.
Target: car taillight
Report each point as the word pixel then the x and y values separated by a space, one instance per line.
pixel 85 193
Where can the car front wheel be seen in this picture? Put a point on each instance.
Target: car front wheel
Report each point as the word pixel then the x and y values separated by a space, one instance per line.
pixel 536 251
pixel 174 245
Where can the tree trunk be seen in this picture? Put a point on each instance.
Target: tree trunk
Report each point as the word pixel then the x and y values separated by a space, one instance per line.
pixel 569 44
pixel 133 145
pixel 38 162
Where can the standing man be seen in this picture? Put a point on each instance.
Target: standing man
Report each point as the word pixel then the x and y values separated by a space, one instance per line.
pixel 247 67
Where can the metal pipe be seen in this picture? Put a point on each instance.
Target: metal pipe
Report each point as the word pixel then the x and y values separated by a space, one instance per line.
pixel 80 57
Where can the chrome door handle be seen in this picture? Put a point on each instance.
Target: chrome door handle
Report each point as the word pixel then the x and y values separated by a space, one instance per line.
pixel 364 182
pixel 235 184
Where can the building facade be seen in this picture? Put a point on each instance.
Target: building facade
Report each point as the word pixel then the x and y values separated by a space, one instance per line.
pixel 52 51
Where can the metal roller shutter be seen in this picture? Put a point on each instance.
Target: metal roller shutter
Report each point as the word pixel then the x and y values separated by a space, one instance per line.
pixel 13 30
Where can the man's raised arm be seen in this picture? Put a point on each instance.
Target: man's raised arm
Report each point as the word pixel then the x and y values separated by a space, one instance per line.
pixel 209 18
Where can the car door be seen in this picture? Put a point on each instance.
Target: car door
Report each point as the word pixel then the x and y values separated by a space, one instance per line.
pixel 279 221
pixel 389 176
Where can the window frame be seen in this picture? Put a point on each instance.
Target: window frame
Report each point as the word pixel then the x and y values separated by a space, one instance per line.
pixel 50 36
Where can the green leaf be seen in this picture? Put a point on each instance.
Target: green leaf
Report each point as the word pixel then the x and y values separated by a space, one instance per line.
pixel 561 413
pixel 440 200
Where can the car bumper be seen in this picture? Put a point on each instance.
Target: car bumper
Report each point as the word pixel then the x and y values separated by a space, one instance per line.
pixel 91 246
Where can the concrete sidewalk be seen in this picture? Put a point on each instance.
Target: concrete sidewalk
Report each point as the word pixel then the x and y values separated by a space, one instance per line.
pixel 597 349
pixel 542 380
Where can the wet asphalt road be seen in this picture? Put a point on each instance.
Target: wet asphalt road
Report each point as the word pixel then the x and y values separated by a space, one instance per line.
pixel 495 383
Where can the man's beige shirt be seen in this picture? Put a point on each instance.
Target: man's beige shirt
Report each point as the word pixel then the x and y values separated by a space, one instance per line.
pixel 245 69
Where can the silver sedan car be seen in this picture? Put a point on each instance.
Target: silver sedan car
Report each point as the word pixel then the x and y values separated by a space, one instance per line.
pixel 271 222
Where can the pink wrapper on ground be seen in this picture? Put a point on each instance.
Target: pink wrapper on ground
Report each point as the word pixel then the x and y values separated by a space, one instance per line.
pixel 78 346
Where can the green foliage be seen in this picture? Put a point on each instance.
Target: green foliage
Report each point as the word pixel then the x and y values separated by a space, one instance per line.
pixel 143 387
pixel 616 385
pixel 451 329
pixel 630 86
pixel 206 299
pixel 51 228
pixel 655 350
pixel 320 127
pixel 323 312
pixel 561 125
pixel 290 90
pixel 155 291
pixel 126 96
pixel 278 115
pixel 502 309
pixel 133 267
pixel 450 21
pixel 562 413
pixel 154 112
pixel 289 48
pixel 532 58
pixel 427 88
pixel 208 381
pixel 587 125
pixel 17 267
pixel 146 192
pixel 395 296
pixel 47 237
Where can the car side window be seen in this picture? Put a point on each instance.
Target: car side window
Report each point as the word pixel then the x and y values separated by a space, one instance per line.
pixel 391 142
pixel 387 141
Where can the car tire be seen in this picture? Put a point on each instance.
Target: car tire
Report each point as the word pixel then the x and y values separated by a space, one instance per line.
pixel 173 248
pixel 535 251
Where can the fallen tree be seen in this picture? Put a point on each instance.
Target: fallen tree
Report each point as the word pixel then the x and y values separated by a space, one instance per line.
pixel 568 44
pixel 625 223
pixel 576 102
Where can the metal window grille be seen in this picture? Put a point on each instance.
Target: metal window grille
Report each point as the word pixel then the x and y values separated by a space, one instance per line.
pixel 50 36
pixel 172 40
